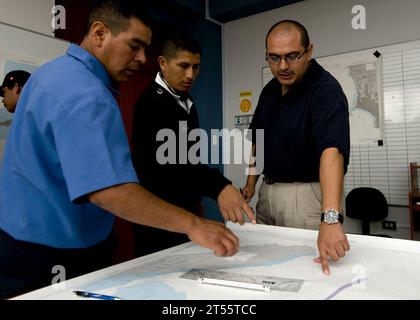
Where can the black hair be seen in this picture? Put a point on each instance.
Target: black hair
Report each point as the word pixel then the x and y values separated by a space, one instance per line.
pixel 304 37
pixel 18 77
pixel 115 14
pixel 176 42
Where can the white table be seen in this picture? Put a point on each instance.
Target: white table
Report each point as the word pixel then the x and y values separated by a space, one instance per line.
pixel 374 268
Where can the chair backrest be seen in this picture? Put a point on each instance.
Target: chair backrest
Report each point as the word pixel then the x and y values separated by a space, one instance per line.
pixel 414 177
pixel 367 204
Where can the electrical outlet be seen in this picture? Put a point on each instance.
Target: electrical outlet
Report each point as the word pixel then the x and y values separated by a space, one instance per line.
pixel 389 225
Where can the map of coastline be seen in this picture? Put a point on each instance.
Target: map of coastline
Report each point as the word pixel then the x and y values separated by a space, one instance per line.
pixel 148 281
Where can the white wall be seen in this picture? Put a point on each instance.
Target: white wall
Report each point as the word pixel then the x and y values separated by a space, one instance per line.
pixel 35 46
pixel 329 26
pixel 34 15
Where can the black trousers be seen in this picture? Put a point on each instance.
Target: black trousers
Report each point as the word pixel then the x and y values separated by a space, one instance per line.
pixel 148 239
pixel 26 266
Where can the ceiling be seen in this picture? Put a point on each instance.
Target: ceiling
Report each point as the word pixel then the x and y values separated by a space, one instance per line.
pixel 224 11
pixel 228 10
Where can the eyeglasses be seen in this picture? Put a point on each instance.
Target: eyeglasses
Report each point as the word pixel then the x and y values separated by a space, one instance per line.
pixel 289 58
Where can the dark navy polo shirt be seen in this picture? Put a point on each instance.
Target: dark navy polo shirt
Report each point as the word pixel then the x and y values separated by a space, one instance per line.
pixel 298 126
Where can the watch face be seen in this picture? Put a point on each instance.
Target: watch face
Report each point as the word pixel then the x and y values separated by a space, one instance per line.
pixel 331 216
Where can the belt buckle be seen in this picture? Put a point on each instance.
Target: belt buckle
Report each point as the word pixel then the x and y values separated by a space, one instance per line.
pixel 269 180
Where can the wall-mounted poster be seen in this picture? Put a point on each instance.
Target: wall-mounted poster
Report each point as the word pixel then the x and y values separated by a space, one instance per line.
pixel 360 75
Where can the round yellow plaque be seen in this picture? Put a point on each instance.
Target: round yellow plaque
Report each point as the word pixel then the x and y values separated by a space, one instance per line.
pixel 245 105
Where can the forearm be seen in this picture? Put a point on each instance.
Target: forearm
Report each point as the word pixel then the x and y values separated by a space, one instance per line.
pixel 251 180
pixel 252 177
pixel 331 175
pixel 134 203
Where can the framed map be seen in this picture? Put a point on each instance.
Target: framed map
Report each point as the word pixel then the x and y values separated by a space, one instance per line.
pixel 360 75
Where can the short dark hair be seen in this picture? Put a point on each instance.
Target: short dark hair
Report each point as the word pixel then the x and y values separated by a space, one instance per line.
pixel 14 77
pixel 176 42
pixel 115 14
pixel 304 37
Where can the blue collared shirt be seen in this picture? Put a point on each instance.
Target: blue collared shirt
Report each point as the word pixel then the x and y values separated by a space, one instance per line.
pixel 66 141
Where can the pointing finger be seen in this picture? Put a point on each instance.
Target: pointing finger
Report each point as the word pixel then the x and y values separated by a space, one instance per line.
pixel 324 263
pixel 249 212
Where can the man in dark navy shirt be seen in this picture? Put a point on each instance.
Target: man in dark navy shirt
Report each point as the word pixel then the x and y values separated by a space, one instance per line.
pixel 304 114
pixel 166 106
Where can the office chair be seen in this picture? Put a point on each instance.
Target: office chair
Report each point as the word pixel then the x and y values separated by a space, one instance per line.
pixel 367 204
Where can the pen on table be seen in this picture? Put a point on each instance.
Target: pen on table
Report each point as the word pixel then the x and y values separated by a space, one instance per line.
pixel 95 295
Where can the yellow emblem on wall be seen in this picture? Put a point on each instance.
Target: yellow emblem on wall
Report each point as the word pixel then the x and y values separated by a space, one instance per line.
pixel 245 105
pixel 246 101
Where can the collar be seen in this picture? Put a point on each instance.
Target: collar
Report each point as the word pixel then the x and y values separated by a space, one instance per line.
pixel 186 104
pixel 93 64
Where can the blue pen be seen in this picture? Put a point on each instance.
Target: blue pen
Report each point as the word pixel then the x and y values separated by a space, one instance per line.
pixel 95 295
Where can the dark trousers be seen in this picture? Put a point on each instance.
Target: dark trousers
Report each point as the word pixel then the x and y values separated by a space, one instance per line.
pixel 148 240
pixel 26 266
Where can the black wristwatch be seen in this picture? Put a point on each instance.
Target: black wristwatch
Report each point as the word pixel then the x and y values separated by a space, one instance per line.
pixel 332 216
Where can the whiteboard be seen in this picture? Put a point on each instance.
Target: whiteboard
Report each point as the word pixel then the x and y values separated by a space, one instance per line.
pixel 25 50
pixel 387 168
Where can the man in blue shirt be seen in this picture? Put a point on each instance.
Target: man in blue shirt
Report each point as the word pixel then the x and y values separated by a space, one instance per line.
pixel 67 168
pixel 304 114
